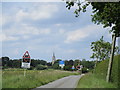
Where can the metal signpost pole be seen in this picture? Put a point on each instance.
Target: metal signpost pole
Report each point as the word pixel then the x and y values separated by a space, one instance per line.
pixel 24 72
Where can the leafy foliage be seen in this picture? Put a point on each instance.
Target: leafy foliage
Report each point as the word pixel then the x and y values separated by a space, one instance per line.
pixel 84 70
pixel 87 64
pixel 106 13
pixel 41 67
pixel 101 49
pixel 68 67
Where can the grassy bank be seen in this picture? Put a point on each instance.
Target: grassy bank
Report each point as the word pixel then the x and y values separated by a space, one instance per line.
pixel 101 70
pixel 33 78
pixel 92 81
pixel 98 78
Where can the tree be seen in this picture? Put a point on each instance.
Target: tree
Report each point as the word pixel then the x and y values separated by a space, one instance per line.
pixel 70 62
pixel 5 61
pixel 76 62
pixel 101 49
pixel 56 66
pixel 106 13
pixel 49 64
pixel 87 64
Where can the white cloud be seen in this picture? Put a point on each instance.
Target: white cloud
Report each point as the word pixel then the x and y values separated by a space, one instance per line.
pixel 82 33
pixel 33 1
pixel 24 32
pixel 37 12
pixel 61 31
pixel 75 36
pixel 71 51
pixel 58 25
pixel 0 20
pixel 4 37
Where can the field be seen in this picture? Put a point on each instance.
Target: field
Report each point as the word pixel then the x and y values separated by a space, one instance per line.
pixel 33 78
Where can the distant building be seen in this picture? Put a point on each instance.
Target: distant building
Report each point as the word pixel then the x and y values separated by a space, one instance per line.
pixel 53 59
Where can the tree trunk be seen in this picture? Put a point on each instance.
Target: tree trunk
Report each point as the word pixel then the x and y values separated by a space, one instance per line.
pixel 95 64
pixel 111 58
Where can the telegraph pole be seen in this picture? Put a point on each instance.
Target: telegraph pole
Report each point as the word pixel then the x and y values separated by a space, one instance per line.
pixel 111 58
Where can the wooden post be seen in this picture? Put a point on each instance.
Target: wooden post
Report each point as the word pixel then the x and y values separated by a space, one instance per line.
pixel 111 58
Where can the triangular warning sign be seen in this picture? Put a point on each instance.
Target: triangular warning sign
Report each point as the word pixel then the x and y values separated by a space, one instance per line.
pixel 26 55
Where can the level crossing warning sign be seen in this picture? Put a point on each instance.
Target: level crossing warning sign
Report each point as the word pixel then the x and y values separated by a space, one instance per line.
pixel 26 60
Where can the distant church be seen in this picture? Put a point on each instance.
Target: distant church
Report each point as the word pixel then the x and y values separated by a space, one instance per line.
pixel 53 59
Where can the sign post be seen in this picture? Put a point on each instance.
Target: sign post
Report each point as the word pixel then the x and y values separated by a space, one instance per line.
pixel 24 72
pixel 26 61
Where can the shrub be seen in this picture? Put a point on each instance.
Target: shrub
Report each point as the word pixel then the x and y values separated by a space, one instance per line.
pixel 56 66
pixel 84 70
pixel 41 67
pixel 68 67
pixel 31 68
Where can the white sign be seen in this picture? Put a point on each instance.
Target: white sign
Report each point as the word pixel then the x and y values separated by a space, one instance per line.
pixel 26 60
pixel 61 65
pixel 25 65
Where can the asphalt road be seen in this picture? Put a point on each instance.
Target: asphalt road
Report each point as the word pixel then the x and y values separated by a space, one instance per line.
pixel 66 82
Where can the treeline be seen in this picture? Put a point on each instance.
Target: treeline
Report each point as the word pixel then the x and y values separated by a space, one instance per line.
pixel 16 63
pixel 42 64
pixel 87 65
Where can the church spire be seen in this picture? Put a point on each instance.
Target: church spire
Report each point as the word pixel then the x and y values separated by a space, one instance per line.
pixel 53 58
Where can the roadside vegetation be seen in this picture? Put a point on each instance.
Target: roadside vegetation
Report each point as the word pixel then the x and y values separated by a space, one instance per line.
pixel 14 78
pixel 91 80
pixel 98 77
pixel 8 63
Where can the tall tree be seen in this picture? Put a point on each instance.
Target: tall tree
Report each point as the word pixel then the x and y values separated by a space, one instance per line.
pixel 106 13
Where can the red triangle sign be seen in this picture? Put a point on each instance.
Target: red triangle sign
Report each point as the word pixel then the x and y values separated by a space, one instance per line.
pixel 26 55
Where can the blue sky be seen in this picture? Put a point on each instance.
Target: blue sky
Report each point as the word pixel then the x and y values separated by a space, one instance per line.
pixel 43 28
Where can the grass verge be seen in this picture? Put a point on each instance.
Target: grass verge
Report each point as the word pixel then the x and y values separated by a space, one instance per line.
pixel 90 80
pixel 33 78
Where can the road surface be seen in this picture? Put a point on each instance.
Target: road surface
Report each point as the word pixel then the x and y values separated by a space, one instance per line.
pixel 66 82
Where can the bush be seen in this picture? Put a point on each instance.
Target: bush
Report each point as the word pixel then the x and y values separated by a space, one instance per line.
pixel 84 70
pixel 31 68
pixel 68 67
pixel 56 66
pixel 41 67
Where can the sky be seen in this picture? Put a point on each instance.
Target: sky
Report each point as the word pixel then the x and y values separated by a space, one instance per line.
pixel 42 28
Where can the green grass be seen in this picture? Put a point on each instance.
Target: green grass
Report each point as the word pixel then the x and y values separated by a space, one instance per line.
pixel 33 78
pixel 101 70
pixel 98 78
pixel 92 81
pixel 0 79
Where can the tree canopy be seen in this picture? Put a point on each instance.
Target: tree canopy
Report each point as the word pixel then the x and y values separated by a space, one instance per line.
pixel 106 13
